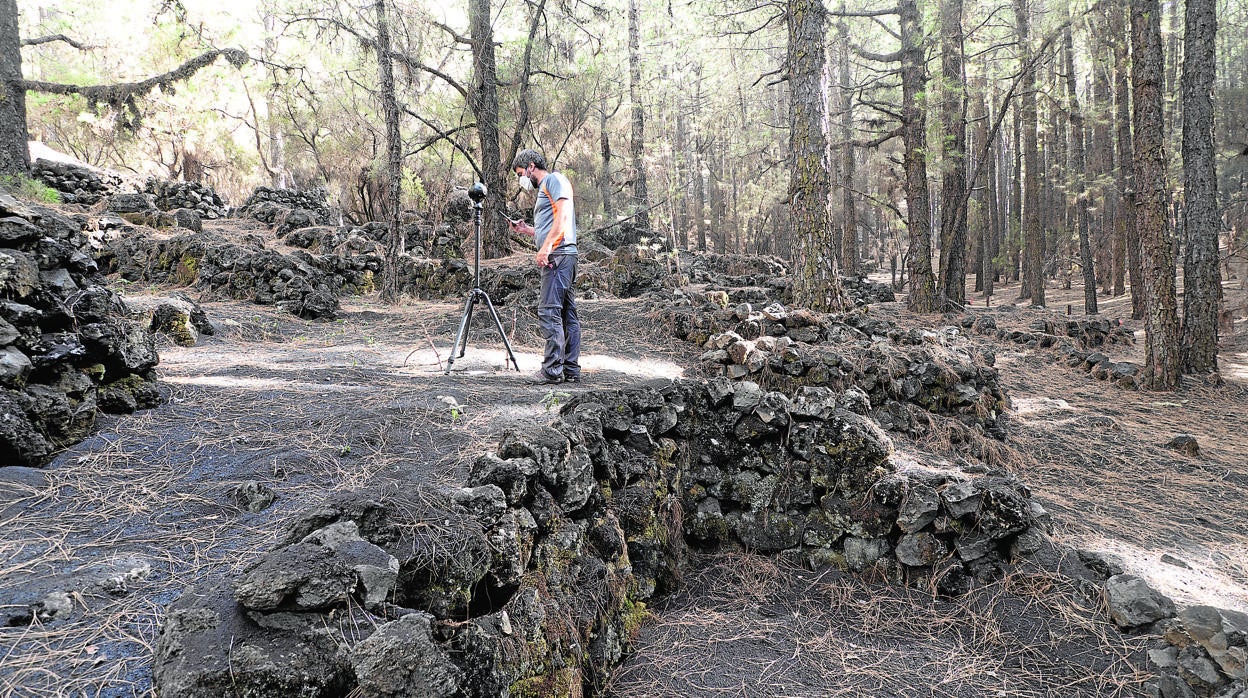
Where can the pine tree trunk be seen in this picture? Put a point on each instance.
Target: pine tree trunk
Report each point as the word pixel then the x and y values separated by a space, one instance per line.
pixel 850 253
pixel 637 146
pixel 922 298
pixel 495 238
pixel 394 158
pixel 14 153
pixel 604 174
pixel 1161 321
pixel 816 283
pixel 1126 170
pixel 953 160
pixel 1077 176
pixel 1202 284
pixel 1032 228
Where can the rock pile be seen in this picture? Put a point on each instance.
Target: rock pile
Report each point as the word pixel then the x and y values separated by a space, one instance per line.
pixel 1079 353
pixel 266 204
pixel 76 184
pixel 1202 651
pixel 66 347
pixel 533 580
pixel 296 282
pixel 936 371
pixel 192 196
pixel 863 291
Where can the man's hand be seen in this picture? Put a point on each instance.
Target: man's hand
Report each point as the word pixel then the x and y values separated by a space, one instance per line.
pixel 522 228
pixel 543 258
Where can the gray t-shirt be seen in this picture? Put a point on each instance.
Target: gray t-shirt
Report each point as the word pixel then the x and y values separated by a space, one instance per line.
pixel 554 187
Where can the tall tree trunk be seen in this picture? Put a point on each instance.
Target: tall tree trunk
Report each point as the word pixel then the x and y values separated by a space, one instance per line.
pixel 680 160
pixel 993 229
pixel 1113 266
pixel 14 154
pixel 1126 158
pixel 1033 230
pixel 637 147
pixel 1202 284
pixel 1015 237
pixel 850 253
pixel 1161 322
pixel 394 158
pixel 279 177
pixel 816 284
pixel 1078 174
pixel 604 175
pixel 922 297
pixel 953 159
pixel 495 239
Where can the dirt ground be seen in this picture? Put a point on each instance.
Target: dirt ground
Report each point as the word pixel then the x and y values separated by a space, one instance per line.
pixel 310 407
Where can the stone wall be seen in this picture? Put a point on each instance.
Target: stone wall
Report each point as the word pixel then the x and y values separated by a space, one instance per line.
pixel 76 184
pixel 66 347
pixel 534 579
pixel 898 369
pixel 170 195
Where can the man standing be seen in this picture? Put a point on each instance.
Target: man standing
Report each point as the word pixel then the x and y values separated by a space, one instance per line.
pixel 554 233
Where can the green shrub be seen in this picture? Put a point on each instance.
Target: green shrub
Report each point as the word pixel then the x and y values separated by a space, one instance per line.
pixel 30 189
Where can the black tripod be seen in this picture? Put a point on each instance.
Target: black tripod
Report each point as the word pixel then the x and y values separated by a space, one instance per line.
pixel 477 194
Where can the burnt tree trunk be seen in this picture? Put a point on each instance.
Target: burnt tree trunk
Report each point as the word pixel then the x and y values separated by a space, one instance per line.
pixel 953 160
pixel 495 240
pixel 638 145
pixel 816 284
pixel 1077 176
pixel 394 158
pixel 14 154
pixel 1126 170
pixel 1032 228
pixel 1161 322
pixel 850 254
pixel 604 175
pixel 1202 284
pixel 922 298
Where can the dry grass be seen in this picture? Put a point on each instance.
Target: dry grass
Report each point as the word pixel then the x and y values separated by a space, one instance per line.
pixel 750 626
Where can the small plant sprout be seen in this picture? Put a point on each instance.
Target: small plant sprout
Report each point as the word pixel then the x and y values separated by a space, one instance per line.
pixel 452 405
pixel 554 398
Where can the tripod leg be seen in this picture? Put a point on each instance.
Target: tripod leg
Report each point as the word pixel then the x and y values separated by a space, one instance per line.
pixel 472 303
pixel 461 336
pixel 501 332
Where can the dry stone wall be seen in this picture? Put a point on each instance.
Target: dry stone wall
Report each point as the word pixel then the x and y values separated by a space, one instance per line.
pixel 899 370
pixel 66 346
pixel 76 184
pixel 534 579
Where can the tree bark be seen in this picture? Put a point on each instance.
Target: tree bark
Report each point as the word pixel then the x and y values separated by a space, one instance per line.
pixel 604 175
pixel 495 239
pixel 850 253
pixel 394 158
pixel 1078 174
pixel 1126 170
pixel 1202 284
pixel 1032 228
pixel 922 298
pixel 953 160
pixel 14 153
pixel 816 284
pixel 1161 323
pixel 638 145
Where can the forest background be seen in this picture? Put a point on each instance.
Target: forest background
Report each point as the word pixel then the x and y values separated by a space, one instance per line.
pixel 1008 140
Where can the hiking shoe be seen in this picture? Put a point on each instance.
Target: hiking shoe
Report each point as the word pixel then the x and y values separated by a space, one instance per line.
pixel 540 378
pixel 572 379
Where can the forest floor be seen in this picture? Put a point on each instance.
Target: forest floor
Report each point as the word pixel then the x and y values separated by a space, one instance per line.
pixel 311 407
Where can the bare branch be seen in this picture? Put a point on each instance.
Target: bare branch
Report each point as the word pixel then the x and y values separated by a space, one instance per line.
pixel 56 37
pixel 123 94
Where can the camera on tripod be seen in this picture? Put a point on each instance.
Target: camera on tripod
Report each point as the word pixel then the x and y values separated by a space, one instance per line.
pixel 477 194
